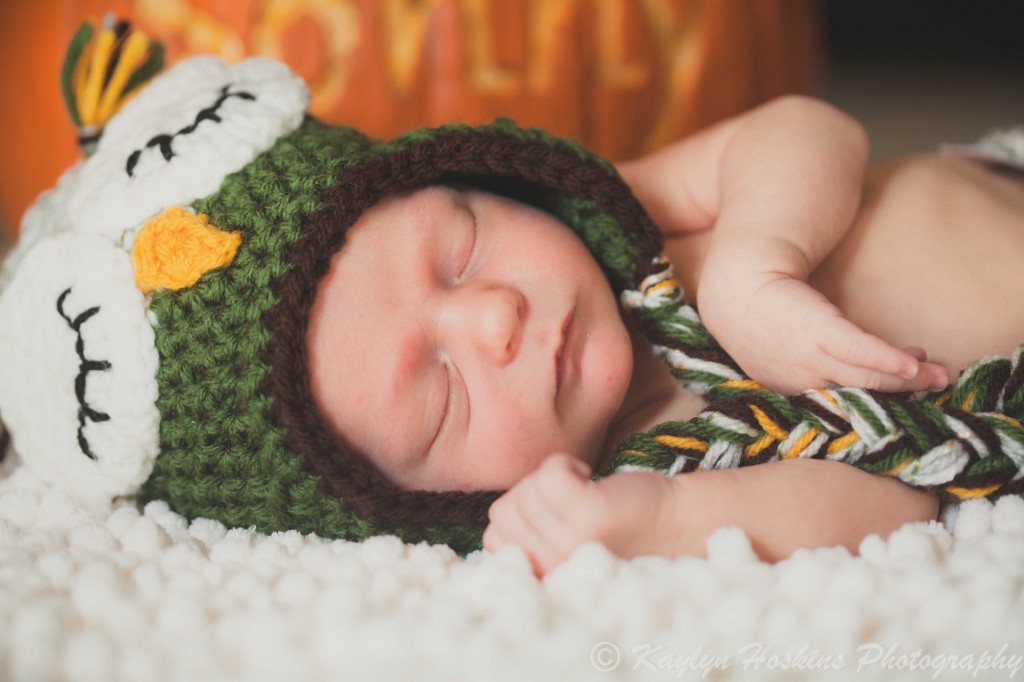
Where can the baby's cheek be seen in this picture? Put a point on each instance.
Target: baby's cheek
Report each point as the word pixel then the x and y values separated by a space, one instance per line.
pixel 617 375
pixel 333 399
pixel 531 441
pixel 613 366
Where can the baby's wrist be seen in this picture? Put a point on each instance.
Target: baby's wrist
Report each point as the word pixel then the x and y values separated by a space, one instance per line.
pixel 679 532
pixel 723 301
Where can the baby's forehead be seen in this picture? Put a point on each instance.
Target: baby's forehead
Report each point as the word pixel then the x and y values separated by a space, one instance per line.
pixel 407 210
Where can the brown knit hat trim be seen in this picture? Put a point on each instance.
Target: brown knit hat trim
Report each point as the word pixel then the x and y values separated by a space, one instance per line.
pixel 465 152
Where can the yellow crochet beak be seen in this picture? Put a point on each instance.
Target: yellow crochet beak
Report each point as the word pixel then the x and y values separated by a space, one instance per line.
pixel 177 247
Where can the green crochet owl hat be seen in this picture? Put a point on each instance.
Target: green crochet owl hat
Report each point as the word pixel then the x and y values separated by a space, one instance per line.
pixel 232 346
pixel 160 296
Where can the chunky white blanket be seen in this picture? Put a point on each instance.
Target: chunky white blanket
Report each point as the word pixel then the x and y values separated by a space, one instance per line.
pixel 118 593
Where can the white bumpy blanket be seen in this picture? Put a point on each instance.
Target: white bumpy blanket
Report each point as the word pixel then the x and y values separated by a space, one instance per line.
pixel 120 593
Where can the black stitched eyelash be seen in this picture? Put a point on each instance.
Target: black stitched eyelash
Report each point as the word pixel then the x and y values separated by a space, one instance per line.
pixel 164 141
pixel 85 366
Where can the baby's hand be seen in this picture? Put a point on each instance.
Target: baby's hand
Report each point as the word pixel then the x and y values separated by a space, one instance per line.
pixel 557 508
pixel 789 337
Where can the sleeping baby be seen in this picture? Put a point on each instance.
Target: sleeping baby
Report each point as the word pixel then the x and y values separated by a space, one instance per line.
pixel 277 323
pixel 504 344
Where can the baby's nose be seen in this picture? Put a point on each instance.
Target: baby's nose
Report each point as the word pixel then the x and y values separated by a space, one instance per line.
pixel 490 318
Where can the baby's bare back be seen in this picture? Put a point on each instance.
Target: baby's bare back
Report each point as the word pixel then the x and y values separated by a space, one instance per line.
pixel 935 259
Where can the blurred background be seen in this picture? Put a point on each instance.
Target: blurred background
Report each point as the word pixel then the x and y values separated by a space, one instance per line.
pixel 921 72
pixel 624 76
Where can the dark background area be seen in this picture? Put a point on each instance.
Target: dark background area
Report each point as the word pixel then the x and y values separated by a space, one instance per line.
pixel 917 72
pixel 979 30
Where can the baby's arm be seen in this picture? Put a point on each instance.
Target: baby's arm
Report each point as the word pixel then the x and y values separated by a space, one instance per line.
pixel 780 185
pixel 782 506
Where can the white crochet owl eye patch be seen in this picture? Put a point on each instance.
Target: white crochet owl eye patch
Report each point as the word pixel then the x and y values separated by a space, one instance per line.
pixel 78 377
pixel 78 368
pixel 177 140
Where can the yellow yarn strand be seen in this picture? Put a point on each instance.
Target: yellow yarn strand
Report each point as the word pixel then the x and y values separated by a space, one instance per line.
pixel 966 404
pixel 682 442
pixel 758 445
pixel 971 493
pixel 801 444
pixel 89 96
pixel 745 384
pixel 1007 419
pixel 827 396
pixel 133 53
pixel 902 464
pixel 843 442
pixel 666 284
pixel 767 424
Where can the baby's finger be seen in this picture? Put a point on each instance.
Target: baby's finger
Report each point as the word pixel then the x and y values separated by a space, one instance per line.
pixel 917 352
pixel 848 344
pixel 515 525
pixel 540 501
pixel 937 374
pixel 561 508
pixel 927 378
pixel 559 502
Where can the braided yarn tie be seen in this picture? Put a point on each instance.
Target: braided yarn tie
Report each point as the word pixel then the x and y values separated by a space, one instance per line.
pixel 964 442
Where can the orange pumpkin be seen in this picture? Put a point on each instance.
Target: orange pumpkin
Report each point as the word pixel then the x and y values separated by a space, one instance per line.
pixel 624 76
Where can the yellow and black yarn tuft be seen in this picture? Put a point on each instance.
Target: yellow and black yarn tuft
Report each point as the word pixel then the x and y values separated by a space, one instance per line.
pixel 103 67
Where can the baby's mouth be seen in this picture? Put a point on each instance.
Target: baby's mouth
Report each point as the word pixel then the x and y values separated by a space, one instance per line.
pixel 564 355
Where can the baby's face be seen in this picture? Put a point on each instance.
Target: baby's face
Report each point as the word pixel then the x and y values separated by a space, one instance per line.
pixel 460 338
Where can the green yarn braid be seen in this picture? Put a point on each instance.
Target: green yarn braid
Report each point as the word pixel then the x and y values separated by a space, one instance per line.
pixel 964 442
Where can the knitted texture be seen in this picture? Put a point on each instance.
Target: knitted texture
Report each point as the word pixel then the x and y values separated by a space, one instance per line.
pixel 176 248
pixel 233 345
pixel 964 442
